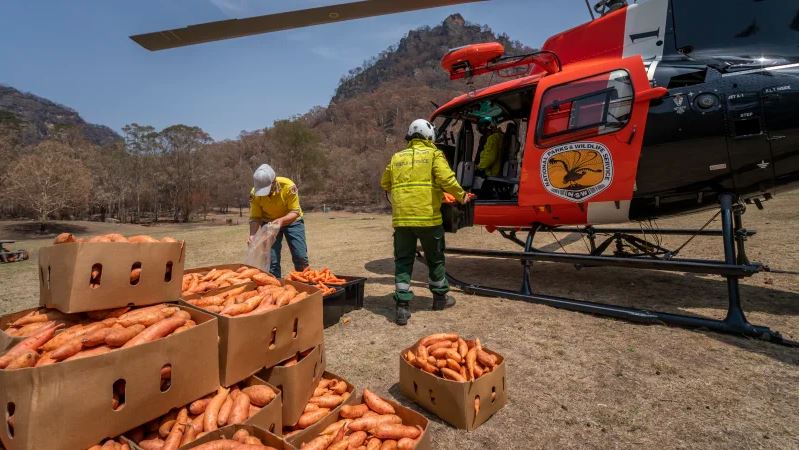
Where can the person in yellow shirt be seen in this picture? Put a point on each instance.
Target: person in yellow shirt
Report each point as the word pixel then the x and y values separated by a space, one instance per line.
pixel 416 179
pixel 275 199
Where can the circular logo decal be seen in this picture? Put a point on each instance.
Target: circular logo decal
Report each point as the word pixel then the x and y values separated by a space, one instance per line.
pixel 577 171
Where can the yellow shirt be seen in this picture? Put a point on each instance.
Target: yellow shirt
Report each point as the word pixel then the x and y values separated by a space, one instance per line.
pixel 282 200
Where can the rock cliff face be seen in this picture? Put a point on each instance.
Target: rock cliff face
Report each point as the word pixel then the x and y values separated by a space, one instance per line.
pixel 38 118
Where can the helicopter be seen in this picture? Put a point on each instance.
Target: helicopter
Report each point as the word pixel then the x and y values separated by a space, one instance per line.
pixel 652 109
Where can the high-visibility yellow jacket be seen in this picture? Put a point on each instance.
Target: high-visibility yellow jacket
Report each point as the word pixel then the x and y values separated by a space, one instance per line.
pixel 491 156
pixel 417 178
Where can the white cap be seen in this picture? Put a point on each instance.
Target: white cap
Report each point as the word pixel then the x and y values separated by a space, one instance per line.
pixel 262 180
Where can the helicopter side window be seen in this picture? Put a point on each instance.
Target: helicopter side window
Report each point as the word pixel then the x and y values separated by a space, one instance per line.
pixel 592 106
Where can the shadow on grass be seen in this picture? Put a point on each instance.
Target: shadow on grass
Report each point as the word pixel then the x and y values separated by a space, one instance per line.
pixel 38 230
pixel 384 305
pixel 396 392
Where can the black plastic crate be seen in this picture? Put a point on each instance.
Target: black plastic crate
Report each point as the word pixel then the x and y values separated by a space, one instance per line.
pixel 354 288
pixel 348 297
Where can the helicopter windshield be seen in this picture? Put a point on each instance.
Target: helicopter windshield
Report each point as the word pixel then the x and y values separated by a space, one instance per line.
pixel 483 140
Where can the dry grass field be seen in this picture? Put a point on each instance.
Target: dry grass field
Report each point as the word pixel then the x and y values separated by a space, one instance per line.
pixel 574 380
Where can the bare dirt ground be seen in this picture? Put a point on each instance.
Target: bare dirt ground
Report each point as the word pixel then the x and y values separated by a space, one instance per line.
pixel 574 380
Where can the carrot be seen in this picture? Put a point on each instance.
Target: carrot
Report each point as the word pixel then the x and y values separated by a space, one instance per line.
pixel 353 411
pixel 319 443
pixel 452 375
pixel 31 317
pixel 31 343
pixel 156 331
pixel 23 360
pixel 462 347
pixel 327 401
pixel 357 439
pixel 64 238
pixel 438 337
pixel 260 395
pixel 389 444
pixel 368 423
pixel 212 410
pixel 310 418
pixel 119 336
pixel 89 353
pixel 376 403
pixel 241 409
pixel 440 344
pixel 68 349
pixel 406 444
pixel 172 441
pixel 219 445
pixel 224 411
pixel 396 431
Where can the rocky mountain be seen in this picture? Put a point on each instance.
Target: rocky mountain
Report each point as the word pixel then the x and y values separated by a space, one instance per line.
pixel 38 118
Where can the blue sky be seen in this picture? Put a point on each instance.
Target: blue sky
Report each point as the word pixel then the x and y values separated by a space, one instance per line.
pixel 78 53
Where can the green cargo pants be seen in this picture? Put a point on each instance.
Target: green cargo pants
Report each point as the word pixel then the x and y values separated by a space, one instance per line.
pixel 432 240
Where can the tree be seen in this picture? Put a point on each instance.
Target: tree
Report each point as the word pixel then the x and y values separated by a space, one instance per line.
pixel 141 142
pixel 181 146
pixel 47 180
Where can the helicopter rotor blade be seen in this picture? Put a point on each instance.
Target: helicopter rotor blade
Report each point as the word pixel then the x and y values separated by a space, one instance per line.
pixel 233 28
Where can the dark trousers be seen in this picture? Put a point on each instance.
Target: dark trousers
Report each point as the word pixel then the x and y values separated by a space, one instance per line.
pixel 432 240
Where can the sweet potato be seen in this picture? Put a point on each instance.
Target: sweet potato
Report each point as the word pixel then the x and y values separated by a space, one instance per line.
pixel 149 318
pixel 453 365
pixel 389 444
pixel 462 347
pixel 172 442
pixel 135 275
pixel 310 418
pixel 253 410
pixel 169 239
pixel 45 360
pixel 327 401
pixel 189 324
pixel 340 445
pixel 95 338
pixel 438 345
pixel 219 445
pixel 438 337
pixel 120 336
pixel 166 427
pixel 373 444
pixel 486 359
pixel 106 313
pixel 357 439
pixel 212 410
pixel 156 331
pixel 198 406
pixel 141 239
pixel 353 411
pixel 224 411
pixel 319 443
pixel 376 403
pixel 69 348
pixel 406 444
pixel 260 395
pixel 241 409
pixel 152 444
pixel 31 343
pixel 242 308
pixel 471 359
pixel 240 435
pixel 476 406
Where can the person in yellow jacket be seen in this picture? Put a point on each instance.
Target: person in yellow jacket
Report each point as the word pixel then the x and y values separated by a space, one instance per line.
pixel 275 199
pixel 491 153
pixel 416 179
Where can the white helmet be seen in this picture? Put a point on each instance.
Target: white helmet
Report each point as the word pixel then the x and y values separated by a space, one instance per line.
pixel 422 128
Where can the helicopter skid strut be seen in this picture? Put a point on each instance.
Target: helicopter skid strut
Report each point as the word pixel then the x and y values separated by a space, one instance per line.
pixel 734 267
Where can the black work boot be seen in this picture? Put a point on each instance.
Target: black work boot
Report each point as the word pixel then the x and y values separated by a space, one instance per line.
pixel 403 313
pixel 442 301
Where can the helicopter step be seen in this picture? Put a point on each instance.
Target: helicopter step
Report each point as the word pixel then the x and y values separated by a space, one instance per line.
pixel 734 267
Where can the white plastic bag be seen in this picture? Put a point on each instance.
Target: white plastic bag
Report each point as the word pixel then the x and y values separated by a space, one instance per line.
pixel 259 252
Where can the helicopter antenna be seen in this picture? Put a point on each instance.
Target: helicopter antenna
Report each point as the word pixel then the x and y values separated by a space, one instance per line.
pixel 588 5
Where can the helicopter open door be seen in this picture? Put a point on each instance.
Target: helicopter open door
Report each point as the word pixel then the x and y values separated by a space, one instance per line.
pixel 587 126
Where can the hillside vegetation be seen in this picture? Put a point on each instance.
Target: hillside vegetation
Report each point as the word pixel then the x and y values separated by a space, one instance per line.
pixel 336 154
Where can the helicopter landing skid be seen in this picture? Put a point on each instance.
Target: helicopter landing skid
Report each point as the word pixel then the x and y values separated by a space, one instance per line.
pixel 732 268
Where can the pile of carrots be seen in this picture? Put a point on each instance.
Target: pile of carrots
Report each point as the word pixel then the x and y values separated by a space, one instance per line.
pixel 240 302
pixel 65 238
pixel 111 444
pixel 327 396
pixel 322 279
pixel 449 356
pixel 241 440
pixel 184 425
pixel 105 331
pixel 371 425
pixel 34 320
pixel 200 283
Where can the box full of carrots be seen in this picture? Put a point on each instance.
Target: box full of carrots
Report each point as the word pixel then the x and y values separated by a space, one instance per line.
pixel 101 373
pixel 342 294
pixel 367 422
pixel 109 271
pixel 262 323
pixel 456 379
pixel 297 378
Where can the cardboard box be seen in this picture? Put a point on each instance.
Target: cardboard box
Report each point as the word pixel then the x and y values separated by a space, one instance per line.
pixel 68 405
pixel 318 427
pixel 65 271
pixel 7 341
pixel 409 417
pixel 227 432
pixel 454 401
pixel 297 382
pixel 250 343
